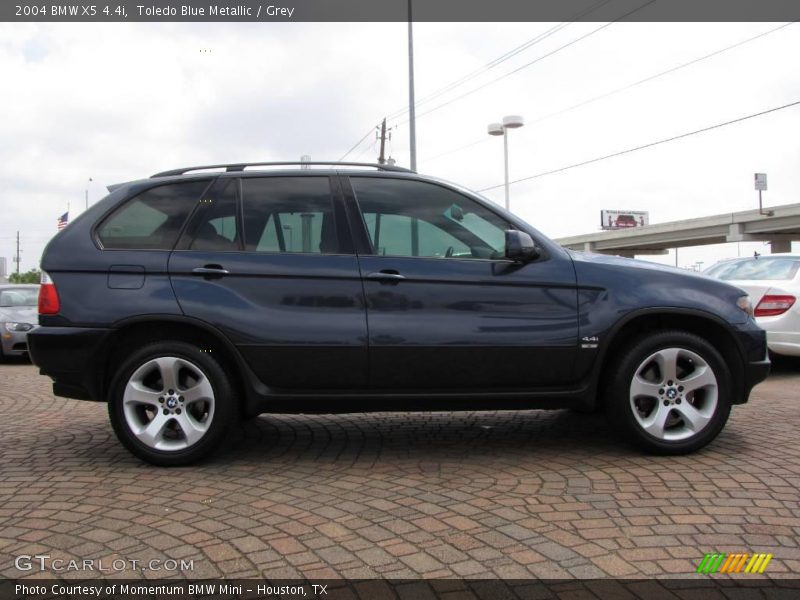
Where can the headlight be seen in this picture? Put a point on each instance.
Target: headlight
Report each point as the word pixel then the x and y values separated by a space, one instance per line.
pixel 18 326
pixel 744 303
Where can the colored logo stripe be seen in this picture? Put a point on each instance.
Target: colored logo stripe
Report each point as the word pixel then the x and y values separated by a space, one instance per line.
pixel 721 562
pixel 758 563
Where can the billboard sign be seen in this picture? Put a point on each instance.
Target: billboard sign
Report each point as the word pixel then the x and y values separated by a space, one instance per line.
pixel 623 219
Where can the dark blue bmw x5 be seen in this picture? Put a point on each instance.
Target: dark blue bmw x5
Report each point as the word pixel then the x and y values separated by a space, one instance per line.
pixel 200 296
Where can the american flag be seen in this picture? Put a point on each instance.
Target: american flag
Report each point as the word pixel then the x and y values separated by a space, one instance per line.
pixel 63 220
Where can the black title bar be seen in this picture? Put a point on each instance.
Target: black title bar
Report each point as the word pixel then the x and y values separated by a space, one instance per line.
pixel 398 10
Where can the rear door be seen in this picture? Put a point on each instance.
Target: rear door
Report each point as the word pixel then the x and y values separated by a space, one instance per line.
pixel 268 260
pixel 446 310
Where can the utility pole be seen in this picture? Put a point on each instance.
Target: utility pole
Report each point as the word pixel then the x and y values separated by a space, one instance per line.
pixel 382 157
pixel 412 122
pixel 17 257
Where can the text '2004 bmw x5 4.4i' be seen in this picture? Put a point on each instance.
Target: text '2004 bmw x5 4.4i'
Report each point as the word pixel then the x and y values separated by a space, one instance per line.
pixel 193 298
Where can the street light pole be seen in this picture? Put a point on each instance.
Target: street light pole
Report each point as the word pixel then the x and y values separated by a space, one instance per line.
pixel 412 116
pixel 505 158
pixel 509 122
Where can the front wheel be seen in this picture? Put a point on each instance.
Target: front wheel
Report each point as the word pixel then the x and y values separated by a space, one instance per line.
pixel 171 404
pixel 670 393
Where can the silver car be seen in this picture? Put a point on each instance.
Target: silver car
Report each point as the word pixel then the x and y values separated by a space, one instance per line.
pixel 18 316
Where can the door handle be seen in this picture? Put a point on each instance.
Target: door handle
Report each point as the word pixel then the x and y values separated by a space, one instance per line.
pixel 386 276
pixel 210 270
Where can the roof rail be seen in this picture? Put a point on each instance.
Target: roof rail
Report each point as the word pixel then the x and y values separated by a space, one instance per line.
pixel 241 167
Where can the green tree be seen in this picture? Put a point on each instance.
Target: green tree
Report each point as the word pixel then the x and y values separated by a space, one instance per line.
pixel 32 276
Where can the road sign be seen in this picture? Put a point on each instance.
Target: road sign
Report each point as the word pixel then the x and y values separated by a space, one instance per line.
pixel 761 182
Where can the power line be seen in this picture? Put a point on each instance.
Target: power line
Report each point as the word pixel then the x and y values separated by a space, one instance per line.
pixel 628 86
pixel 662 73
pixel 367 149
pixel 357 144
pixel 491 64
pixel 533 62
pixel 501 59
pixel 650 145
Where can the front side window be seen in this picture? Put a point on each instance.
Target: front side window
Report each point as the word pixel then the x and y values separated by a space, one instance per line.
pixel 289 214
pixel 415 218
pixel 153 219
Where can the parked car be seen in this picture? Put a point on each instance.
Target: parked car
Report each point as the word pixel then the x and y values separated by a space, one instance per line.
pixel 17 318
pixel 194 297
pixel 773 283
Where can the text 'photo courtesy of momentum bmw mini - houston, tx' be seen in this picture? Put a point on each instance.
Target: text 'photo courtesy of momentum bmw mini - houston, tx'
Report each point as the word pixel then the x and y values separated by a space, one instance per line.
pixel 203 295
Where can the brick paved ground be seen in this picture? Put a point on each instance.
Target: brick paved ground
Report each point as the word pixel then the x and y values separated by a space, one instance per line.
pixel 512 495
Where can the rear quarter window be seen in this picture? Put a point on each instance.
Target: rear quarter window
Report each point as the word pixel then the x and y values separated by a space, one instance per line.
pixel 153 219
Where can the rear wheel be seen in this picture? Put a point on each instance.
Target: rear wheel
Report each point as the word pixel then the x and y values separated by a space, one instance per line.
pixel 671 393
pixel 171 404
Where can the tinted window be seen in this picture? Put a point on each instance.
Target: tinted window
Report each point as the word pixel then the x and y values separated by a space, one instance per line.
pixel 215 227
pixel 761 268
pixel 153 219
pixel 414 218
pixel 289 214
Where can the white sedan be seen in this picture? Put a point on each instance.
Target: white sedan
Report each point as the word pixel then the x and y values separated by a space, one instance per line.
pixel 773 283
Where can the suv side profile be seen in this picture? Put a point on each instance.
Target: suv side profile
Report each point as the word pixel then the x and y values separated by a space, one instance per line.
pixel 194 298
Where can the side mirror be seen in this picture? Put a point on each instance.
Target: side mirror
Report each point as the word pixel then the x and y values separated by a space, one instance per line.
pixel 520 247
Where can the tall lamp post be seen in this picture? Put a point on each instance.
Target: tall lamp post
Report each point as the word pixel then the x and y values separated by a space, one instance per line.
pixel 509 122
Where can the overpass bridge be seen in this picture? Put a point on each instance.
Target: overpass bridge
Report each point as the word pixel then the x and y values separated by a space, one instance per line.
pixel 778 225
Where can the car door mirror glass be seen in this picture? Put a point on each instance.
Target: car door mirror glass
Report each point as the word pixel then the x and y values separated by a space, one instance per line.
pixel 520 246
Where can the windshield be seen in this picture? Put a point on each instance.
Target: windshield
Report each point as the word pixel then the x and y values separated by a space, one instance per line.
pixel 760 268
pixel 19 297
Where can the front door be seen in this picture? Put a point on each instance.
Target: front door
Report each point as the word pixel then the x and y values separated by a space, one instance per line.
pixel 446 309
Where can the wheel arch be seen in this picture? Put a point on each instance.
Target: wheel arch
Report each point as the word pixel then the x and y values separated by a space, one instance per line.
pixel 141 330
pixel 705 325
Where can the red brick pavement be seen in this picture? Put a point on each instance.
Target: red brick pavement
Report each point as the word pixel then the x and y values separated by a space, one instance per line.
pixel 482 494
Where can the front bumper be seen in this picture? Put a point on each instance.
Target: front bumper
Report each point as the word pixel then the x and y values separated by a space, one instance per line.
pixel 757 363
pixel 15 343
pixel 69 355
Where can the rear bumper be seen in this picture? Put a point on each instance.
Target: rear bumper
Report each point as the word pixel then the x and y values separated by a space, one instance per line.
pixel 69 356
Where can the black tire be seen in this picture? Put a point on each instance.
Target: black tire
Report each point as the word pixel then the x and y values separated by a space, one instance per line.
pixel 218 412
pixel 628 412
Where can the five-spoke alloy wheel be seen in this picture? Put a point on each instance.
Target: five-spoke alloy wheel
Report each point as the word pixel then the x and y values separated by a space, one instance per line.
pixel 670 393
pixel 171 403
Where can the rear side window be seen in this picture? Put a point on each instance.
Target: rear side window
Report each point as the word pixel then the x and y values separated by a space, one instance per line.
pixel 289 214
pixel 153 219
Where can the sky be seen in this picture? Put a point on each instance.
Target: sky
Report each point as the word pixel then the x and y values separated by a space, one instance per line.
pixel 120 101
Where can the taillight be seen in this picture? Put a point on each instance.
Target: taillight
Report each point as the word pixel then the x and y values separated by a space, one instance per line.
pixel 773 304
pixel 49 304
